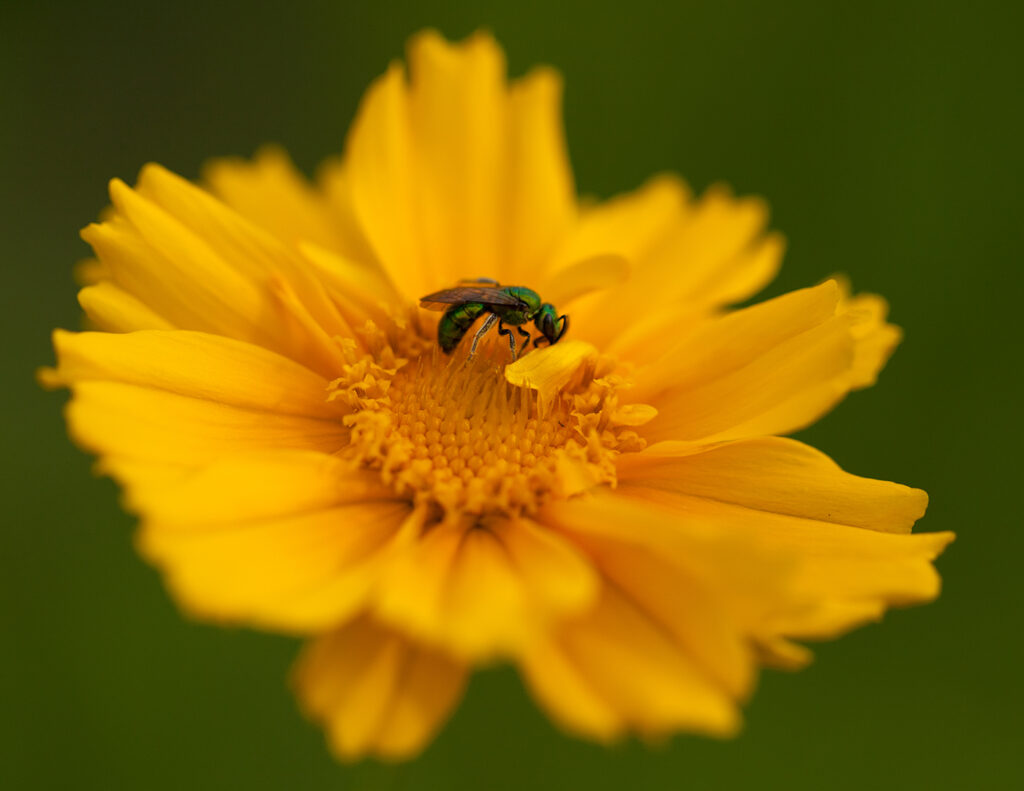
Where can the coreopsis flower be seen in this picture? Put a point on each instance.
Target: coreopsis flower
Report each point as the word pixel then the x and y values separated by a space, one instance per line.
pixel 615 513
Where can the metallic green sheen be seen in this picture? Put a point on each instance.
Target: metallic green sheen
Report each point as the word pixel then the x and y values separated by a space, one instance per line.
pixel 457 320
pixel 455 323
pixel 527 296
pixel 460 317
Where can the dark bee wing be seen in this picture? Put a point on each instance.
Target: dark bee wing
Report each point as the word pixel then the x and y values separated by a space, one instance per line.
pixel 435 305
pixel 442 300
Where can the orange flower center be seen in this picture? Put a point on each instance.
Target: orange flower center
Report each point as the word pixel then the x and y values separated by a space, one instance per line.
pixel 454 433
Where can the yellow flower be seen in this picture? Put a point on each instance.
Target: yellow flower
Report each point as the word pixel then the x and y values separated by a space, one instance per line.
pixel 615 514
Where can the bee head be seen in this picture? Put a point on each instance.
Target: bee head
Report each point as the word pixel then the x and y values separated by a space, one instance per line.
pixel 551 325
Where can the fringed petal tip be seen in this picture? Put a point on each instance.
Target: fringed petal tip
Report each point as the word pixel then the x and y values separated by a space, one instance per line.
pixel 48 378
pixel 488 593
pixel 614 672
pixel 374 692
pixel 874 338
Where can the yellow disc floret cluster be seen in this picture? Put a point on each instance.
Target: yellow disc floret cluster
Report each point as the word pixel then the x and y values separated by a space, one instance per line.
pixel 454 433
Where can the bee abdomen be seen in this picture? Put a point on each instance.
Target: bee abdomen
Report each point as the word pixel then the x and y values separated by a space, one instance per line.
pixel 455 323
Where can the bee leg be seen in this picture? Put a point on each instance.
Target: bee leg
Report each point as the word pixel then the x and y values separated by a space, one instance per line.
pixel 524 334
pixel 502 330
pixel 480 333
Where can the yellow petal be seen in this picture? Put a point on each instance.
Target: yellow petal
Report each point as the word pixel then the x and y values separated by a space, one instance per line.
pixel 613 669
pixel 457 173
pixel 458 110
pixel 765 397
pixel 161 194
pixel 681 582
pixel 552 570
pixel 630 225
pixel 709 591
pixel 717 347
pixel 780 476
pixel 261 485
pixel 197 365
pixel 550 369
pixel 873 343
pixel 143 476
pixel 360 291
pixel 125 420
pixel 381 165
pixel 571 699
pixel 541 192
pixel 584 277
pixel 375 692
pixel 301 573
pixel 853 566
pixel 782 654
pixel 200 266
pixel 189 288
pixel 784 499
pixel 288 540
pixel 686 256
pixel 90 271
pixel 876 340
pixel 769 369
pixel 247 248
pixel 332 177
pixel 485 591
pixel 722 255
pixel 113 309
pixel 633 415
pixel 271 193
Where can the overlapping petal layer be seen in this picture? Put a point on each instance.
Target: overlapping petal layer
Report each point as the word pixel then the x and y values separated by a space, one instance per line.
pixel 375 691
pixel 769 369
pixel 848 537
pixel 485 591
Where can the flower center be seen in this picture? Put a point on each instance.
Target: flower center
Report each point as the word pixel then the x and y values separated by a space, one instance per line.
pixel 456 434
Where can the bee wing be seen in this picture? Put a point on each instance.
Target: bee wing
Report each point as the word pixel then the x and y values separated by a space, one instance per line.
pixel 435 305
pixel 442 300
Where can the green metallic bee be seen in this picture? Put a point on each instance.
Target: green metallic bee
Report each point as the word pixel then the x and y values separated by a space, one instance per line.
pixel 513 305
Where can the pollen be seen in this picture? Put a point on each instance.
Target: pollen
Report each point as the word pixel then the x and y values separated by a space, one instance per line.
pixel 455 434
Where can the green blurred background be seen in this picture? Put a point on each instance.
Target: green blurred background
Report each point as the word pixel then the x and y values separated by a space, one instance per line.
pixel 887 137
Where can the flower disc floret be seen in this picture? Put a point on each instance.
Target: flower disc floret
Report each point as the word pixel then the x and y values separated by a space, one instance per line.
pixel 455 433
